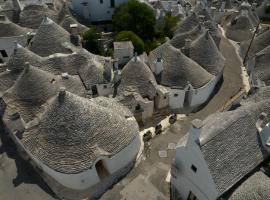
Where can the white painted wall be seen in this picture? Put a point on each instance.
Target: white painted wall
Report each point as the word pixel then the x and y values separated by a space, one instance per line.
pixel 176 98
pixel 95 10
pixel 185 179
pixel 105 89
pixel 162 99
pixel 123 55
pixel 7 44
pixel 148 109
pixel 201 95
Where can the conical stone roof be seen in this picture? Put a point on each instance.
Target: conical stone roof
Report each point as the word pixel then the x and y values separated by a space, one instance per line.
pixel 259 43
pixel 34 85
pixel 179 70
pixel 205 52
pixel 187 24
pixel 49 39
pixel 178 41
pixel 137 75
pixel 32 15
pixel 73 132
pixel 22 55
pixel 8 28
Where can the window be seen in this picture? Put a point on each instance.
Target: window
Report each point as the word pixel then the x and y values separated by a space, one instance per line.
pixel 112 3
pixel 102 170
pixel 194 169
pixel 191 196
pixel 138 107
pixel 175 95
pixel 164 97
pixel 105 86
pixel 101 1
pixel 3 53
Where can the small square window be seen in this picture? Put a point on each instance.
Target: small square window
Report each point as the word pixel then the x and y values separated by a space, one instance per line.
pixel 3 53
pixel 101 1
pixel 164 97
pixel 105 86
pixel 194 169
pixel 175 95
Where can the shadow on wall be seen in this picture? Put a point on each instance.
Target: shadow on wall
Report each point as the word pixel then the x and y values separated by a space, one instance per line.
pixel 25 173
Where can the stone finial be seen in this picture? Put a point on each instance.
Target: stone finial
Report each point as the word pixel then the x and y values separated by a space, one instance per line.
pixel 26 67
pixel 207 34
pixel 61 94
pixel 197 123
pixel 187 43
pixel 135 57
pixel 2 18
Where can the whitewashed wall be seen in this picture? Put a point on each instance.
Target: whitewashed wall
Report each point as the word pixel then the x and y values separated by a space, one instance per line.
pixel 201 95
pixel 95 11
pixel 105 89
pixel 176 98
pixel 123 55
pixel 186 180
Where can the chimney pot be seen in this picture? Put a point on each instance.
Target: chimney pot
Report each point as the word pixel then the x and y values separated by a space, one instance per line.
pixel 26 67
pixel 62 94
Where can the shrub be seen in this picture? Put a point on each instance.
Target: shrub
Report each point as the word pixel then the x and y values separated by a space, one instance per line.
pixel 130 36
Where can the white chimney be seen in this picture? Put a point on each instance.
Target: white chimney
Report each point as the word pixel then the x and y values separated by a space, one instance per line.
pixel 213 11
pixel 61 94
pixel 158 65
pixel 195 131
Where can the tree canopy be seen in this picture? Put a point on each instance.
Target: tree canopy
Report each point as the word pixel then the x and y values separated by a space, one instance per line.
pixel 136 17
pixel 130 36
pixel 90 41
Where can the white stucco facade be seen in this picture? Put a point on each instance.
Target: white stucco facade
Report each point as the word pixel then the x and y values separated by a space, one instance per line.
pixel 162 97
pixel 7 45
pixel 177 98
pixel 123 52
pixel 200 95
pixel 96 10
pixel 190 173
pixel 105 89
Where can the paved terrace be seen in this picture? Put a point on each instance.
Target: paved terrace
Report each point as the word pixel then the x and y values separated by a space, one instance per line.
pixel 149 179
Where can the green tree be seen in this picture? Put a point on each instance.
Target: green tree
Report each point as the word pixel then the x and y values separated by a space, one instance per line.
pixel 91 41
pixel 130 36
pixel 170 23
pixel 136 17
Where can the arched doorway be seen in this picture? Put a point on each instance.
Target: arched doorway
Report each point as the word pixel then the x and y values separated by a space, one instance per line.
pixel 101 170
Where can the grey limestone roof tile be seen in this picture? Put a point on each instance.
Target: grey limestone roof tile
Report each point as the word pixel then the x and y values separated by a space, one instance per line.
pixel 187 24
pixel 22 55
pixel 50 38
pixel 261 69
pixel 205 52
pixel 73 132
pixel 178 40
pixel 240 28
pixel 113 105
pixel 68 20
pixel 256 187
pixel 8 28
pixel 32 15
pixel 138 75
pixel 231 146
pixel 179 70
pixel 212 27
pixel 7 79
pixel 260 42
